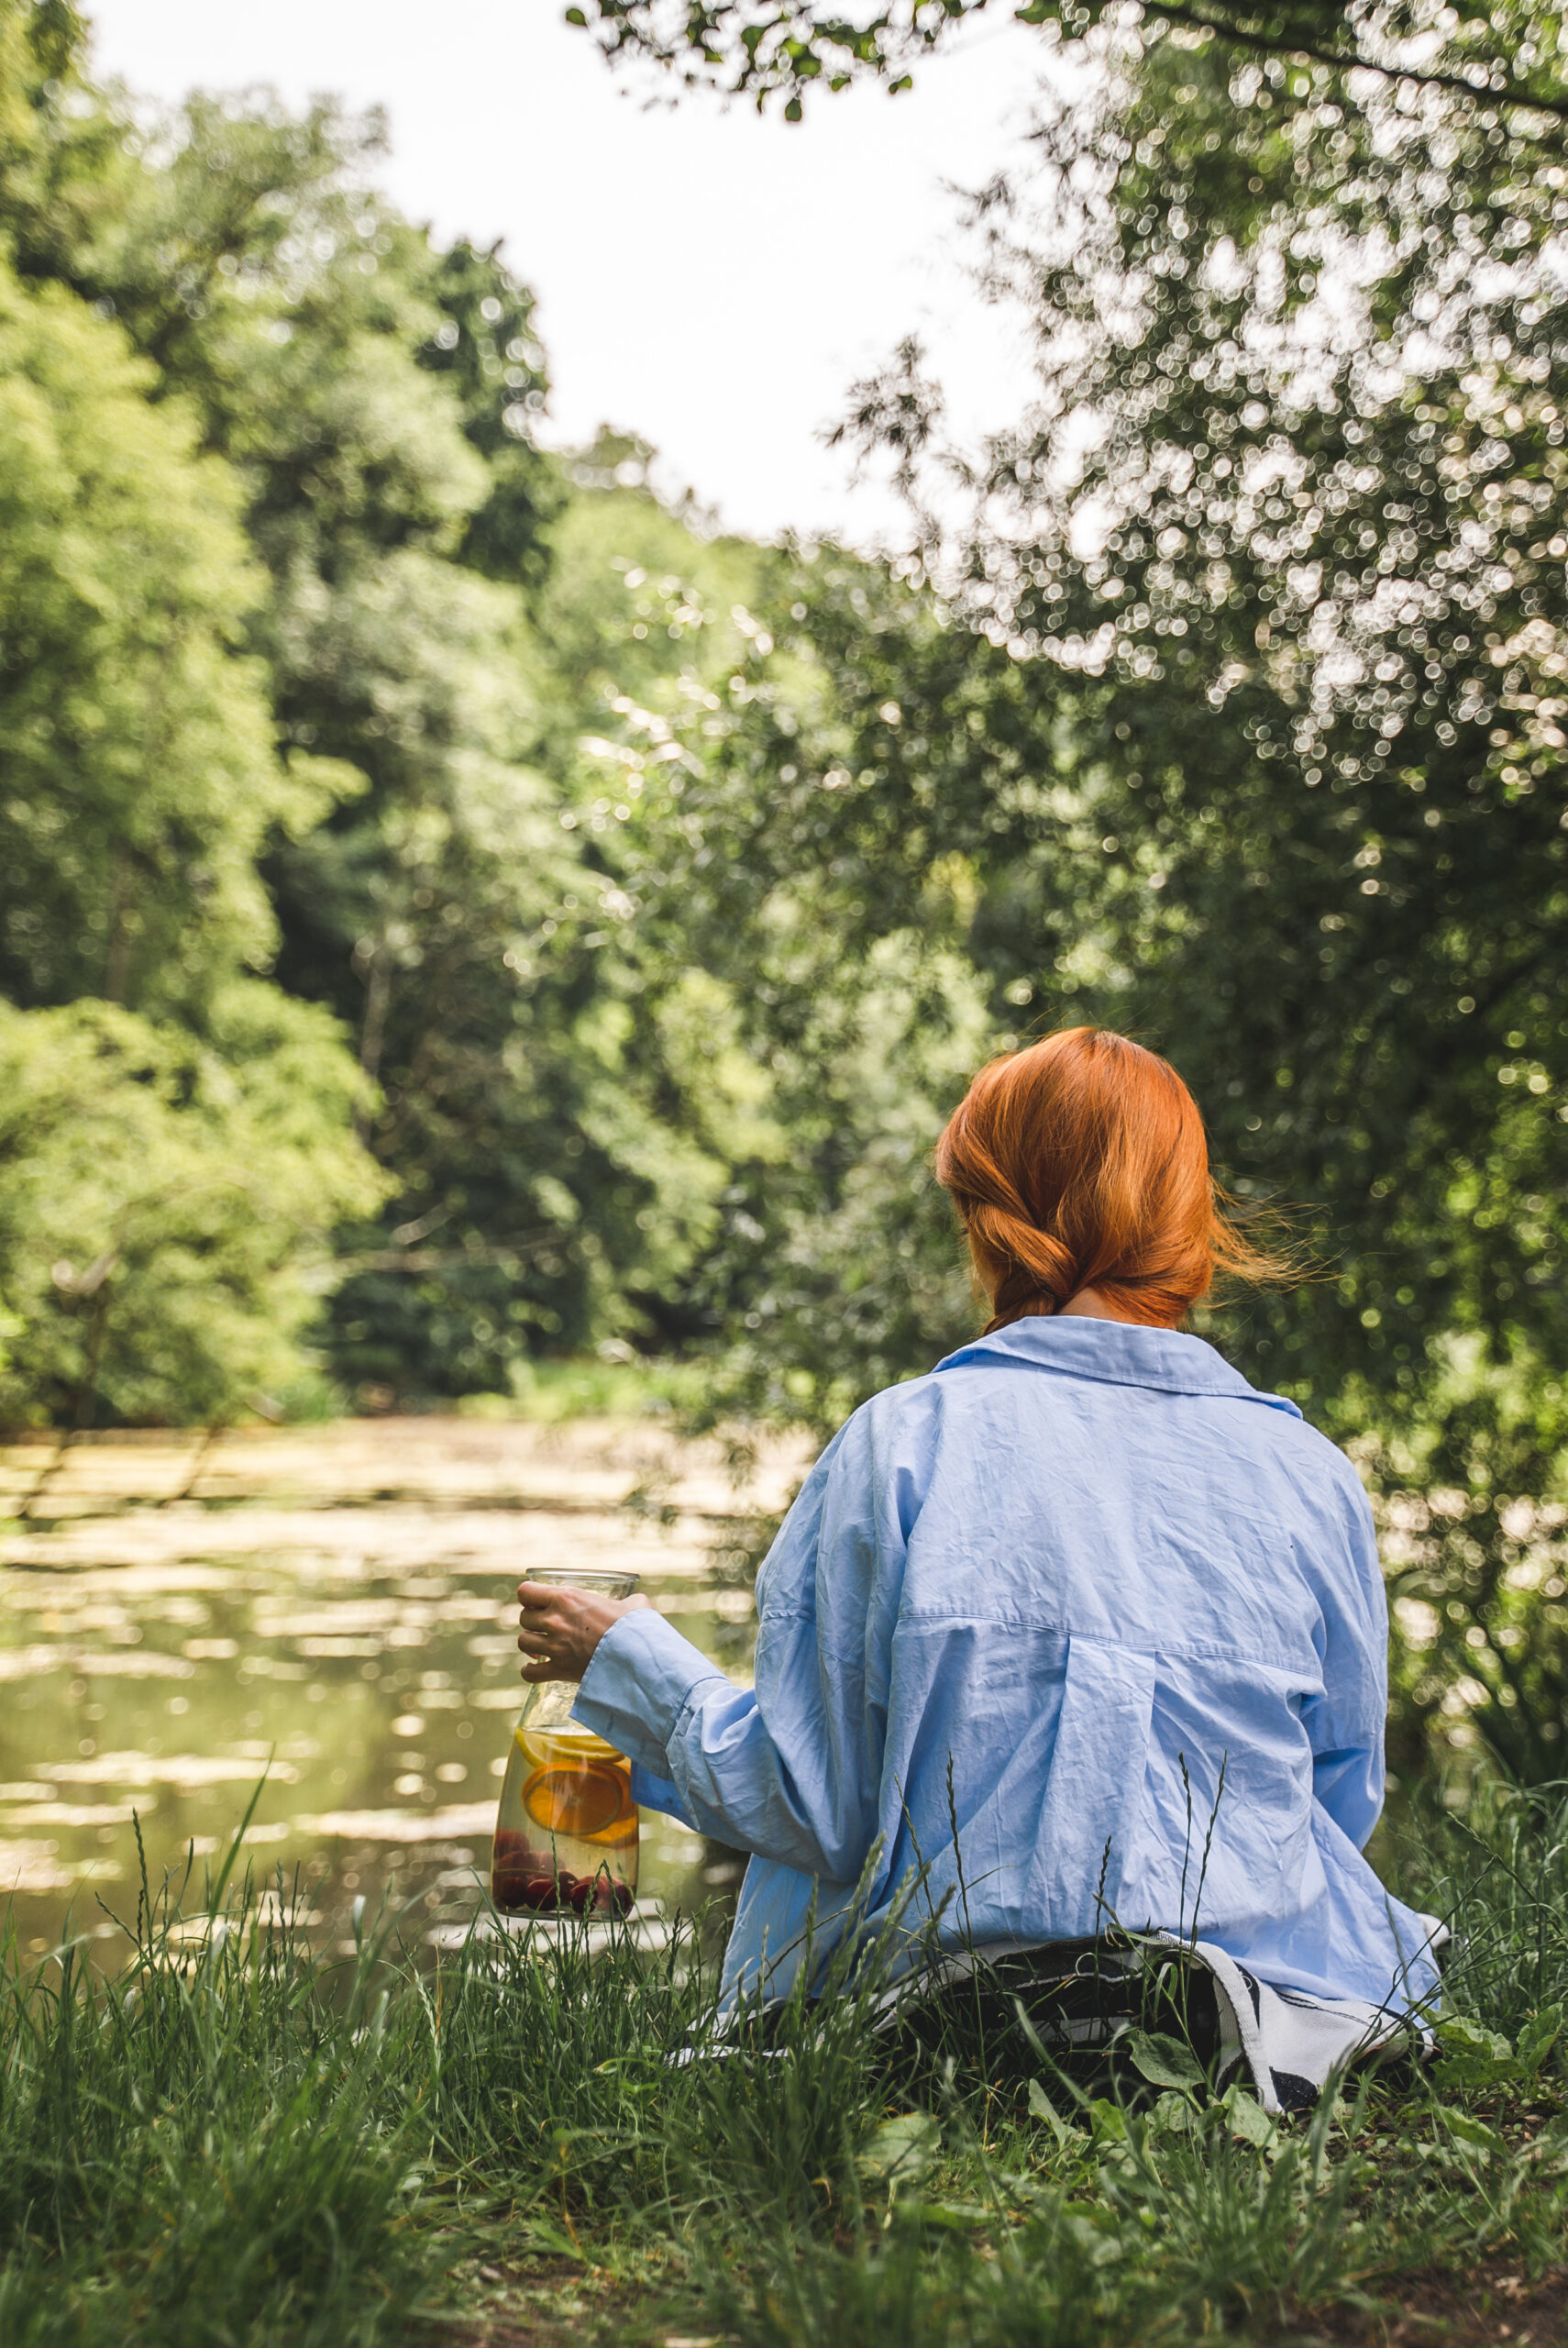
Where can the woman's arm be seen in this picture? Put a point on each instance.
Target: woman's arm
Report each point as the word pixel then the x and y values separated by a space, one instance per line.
pixel 790 1769
pixel 740 1780
pixel 1347 1723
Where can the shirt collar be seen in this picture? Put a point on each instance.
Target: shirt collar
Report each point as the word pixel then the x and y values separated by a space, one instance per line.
pixel 1115 1352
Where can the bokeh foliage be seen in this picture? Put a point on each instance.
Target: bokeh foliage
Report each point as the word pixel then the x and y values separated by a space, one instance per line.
pixel 1506 56
pixel 432 656
pixel 1251 741
pixel 166 1203
pixel 649 896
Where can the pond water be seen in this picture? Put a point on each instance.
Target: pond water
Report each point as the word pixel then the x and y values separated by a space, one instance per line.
pixel 332 1607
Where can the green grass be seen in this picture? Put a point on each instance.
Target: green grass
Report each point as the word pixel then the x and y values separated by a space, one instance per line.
pixel 240 2140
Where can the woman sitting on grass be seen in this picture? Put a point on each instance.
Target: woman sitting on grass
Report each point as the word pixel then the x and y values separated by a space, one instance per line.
pixel 1081 1618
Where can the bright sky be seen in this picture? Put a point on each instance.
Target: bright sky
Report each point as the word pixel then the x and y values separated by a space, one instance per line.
pixel 708 279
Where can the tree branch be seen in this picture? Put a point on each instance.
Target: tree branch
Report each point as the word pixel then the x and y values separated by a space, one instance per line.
pixel 1353 61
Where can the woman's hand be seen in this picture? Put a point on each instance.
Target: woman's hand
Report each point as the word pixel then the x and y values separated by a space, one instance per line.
pixel 560 1628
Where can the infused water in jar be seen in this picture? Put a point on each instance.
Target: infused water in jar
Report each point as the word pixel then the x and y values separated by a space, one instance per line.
pixel 566 1829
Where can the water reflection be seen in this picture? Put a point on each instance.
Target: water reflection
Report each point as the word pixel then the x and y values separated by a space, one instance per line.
pixel 367 1663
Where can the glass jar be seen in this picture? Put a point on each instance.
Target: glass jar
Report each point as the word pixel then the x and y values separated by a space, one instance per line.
pixel 566 1827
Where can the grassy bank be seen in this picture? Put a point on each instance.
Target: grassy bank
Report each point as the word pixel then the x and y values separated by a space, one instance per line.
pixel 242 2140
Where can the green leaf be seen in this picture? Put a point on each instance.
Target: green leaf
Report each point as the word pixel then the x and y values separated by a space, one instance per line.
pixel 1473 2057
pixel 1538 2038
pixel 900 2151
pixel 1465 2128
pixel 1458 2034
pixel 1164 2062
pixel 1040 2105
pixel 1249 2121
pixel 1097 2231
pixel 576 16
pixel 955 2217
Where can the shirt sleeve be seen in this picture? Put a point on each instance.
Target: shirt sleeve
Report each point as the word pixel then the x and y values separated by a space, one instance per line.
pixel 1346 1723
pixel 658 1793
pixel 790 1768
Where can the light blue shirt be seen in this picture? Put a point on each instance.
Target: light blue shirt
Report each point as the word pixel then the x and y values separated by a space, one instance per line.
pixel 1049 1593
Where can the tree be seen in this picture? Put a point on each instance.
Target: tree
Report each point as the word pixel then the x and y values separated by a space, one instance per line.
pixel 177 1136
pixel 486 345
pixel 167 1205
pixel 544 1089
pixel 1488 56
pixel 1246 724
pixel 141 776
pixel 832 1014
pixel 1312 656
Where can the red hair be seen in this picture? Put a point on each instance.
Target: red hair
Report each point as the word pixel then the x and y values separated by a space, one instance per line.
pixel 1082 1162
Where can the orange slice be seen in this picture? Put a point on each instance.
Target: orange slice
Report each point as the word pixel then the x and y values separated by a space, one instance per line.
pixel 562 1748
pixel 583 1801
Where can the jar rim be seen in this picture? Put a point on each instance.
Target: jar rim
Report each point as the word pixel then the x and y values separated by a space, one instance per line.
pixel 602 1577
